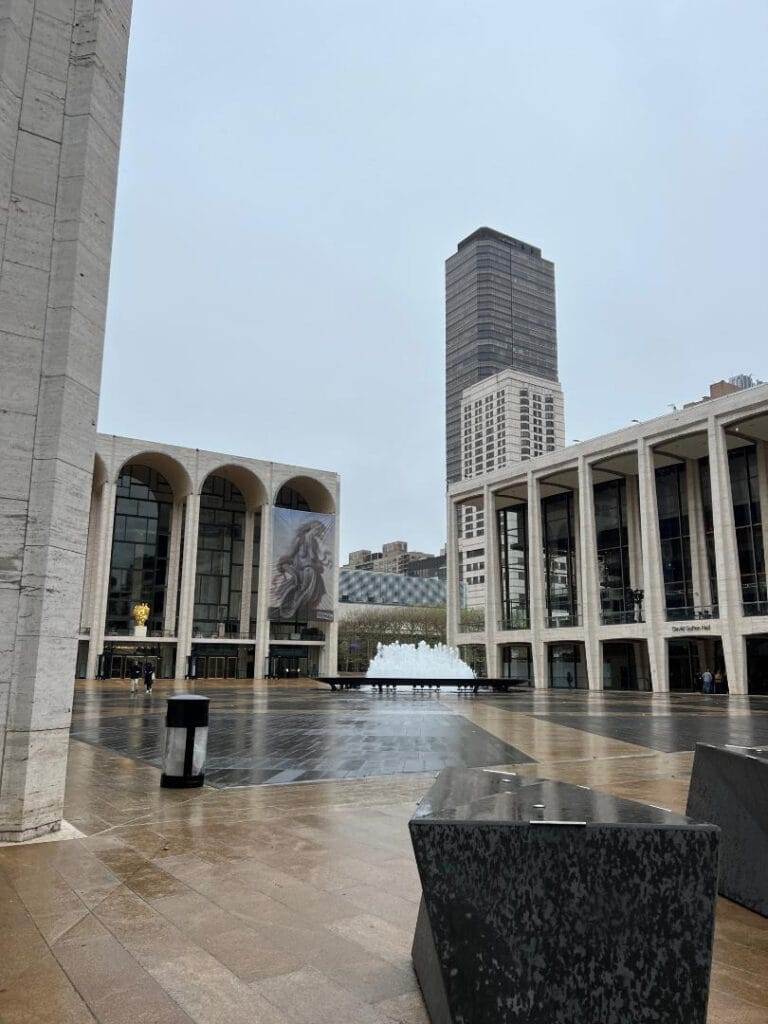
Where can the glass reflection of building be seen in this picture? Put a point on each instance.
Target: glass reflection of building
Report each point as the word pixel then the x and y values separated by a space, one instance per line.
pixel 560 560
pixel 749 530
pixel 675 536
pixel 612 538
pixel 139 562
pixel 513 563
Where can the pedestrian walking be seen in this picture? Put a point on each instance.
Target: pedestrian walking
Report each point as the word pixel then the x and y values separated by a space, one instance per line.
pixel 718 687
pixel 706 681
pixel 135 676
pixel 149 676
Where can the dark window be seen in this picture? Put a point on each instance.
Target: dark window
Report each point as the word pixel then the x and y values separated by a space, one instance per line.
pixel 613 549
pixel 220 550
pixel 709 526
pixel 513 561
pixel 674 532
pixel 139 561
pixel 560 559
pixel 749 532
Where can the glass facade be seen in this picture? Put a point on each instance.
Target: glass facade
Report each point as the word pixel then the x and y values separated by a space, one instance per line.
pixel 516 663
pixel 612 537
pixel 289 497
pixel 140 541
pixel 560 560
pixel 220 549
pixel 513 563
pixel 749 530
pixel 567 670
pixel 675 536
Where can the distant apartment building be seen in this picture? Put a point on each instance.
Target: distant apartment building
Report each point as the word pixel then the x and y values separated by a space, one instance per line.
pixel 508 418
pixel 358 587
pixel 394 557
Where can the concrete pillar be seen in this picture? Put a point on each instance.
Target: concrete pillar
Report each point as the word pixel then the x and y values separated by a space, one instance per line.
pixel 62 70
pixel 634 540
pixel 699 573
pixel 536 599
pixel 492 585
pixel 103 559
pixel 262 605
pixel 653 577
pixel 172 577
pixel 762 484
pixel 590 577
pixel 726 559
pixel 452 573
pixel 245 593
pixel 187 588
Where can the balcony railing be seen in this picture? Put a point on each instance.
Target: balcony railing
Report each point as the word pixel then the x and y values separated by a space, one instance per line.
pixel 561 619
pixel 215 633
pixel 610 617
pixel 128 631
pixel 692 613
pixel 756 607
pixel 288 631
pixel 518 618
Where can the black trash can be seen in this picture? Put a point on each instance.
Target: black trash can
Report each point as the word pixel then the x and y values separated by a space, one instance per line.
pixel 186 741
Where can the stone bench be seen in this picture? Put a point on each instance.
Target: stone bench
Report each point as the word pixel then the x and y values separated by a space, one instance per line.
pixel 548 903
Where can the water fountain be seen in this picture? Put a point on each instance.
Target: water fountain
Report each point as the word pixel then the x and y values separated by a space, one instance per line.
pixel 418 661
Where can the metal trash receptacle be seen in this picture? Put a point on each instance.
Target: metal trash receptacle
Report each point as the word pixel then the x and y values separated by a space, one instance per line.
pixel 186 741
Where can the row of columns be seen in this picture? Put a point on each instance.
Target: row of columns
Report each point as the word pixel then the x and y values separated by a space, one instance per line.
pixel 645 558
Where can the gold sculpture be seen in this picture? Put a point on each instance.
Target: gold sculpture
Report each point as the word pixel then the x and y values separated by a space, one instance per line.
pixel 140 614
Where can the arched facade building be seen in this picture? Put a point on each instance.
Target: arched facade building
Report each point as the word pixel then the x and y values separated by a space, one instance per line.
pixel 236 558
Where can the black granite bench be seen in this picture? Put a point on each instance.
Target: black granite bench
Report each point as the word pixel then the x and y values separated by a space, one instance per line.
pixel 547 903
pixel 355 682
pixel 729 787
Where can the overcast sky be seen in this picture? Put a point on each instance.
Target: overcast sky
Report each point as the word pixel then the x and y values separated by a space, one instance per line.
pixel 294 174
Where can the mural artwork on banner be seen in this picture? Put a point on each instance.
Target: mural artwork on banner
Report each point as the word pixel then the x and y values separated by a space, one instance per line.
pixel 303 545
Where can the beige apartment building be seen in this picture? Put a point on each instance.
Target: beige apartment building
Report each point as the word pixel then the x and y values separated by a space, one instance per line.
pixel 635 560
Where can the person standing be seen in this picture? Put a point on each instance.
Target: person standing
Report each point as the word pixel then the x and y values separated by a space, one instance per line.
pixel 149 676
pixel 718 683
pixel 135 676
pixel 706 681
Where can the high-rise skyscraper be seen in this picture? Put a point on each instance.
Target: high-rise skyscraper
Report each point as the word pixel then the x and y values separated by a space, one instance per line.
pixel 499 314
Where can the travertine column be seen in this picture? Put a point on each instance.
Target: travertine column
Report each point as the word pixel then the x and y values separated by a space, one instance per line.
pixel 103 560
pixel 536 600
pixel 654 604
pixel 699 573
pixel 245 593
pixel 187 589
pixel 762 483
pixel 62 69
pixel 634 541
pixel 262 606
pixel 492 585
pixel 590 579
pixel 172 574
pixel 452 573
pixel 726 559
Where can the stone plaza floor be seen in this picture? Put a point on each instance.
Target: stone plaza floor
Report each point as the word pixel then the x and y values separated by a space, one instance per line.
pixel 285 890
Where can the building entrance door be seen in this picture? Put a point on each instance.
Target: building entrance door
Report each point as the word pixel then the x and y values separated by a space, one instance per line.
pixel 216 667
pixel 757 664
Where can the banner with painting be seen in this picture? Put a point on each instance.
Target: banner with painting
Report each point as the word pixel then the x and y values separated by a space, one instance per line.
pixel 303 577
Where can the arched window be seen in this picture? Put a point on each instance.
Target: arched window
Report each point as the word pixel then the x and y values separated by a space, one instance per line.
pixel 220 551
pixel 289 497
pixel 139 561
